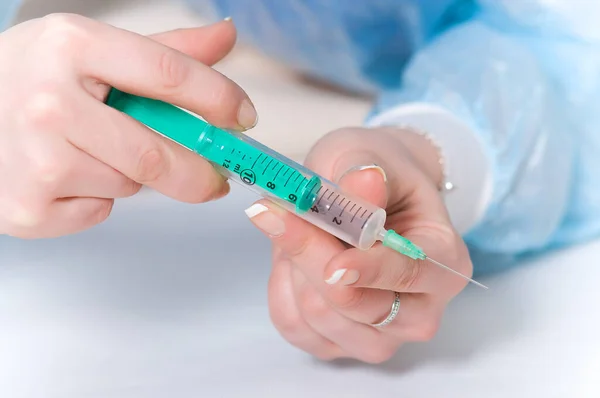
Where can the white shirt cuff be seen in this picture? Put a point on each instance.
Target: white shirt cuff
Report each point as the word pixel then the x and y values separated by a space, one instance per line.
pixel 466 165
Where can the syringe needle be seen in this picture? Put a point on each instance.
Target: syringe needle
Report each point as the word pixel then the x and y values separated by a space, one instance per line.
pixel 455 272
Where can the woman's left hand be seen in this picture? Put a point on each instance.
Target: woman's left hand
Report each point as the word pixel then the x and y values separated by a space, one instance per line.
pixel 324 297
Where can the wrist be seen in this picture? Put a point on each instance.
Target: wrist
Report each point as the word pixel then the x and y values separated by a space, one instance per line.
pixel 425 154
pixel 466 168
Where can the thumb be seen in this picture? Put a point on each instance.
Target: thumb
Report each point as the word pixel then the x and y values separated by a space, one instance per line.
pixel 207 44
pixel 367 181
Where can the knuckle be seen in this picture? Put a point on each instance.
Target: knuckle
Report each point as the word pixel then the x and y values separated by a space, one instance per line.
pixel 64 33
pixel 129 187
pixel 378 354
pixel 26 216
pixel 223 100
pixel 48 171
pixel 151 165
pixel 173 69
pixel 346 299
pixel 288 323
pixel 426 331
pixel 342 141
pixel 328 354
pixel 313 305
pixel 102 212
pixel 295 248
pixel 345 136
pixel 45 110
pixel 288 326
pixel 205 192
pixel 402 278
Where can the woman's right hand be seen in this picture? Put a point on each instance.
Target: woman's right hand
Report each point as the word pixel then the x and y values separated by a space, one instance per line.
pixel 65 155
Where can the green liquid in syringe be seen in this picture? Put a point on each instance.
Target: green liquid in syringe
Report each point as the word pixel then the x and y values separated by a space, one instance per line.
pixel 245 162
pixel 255 167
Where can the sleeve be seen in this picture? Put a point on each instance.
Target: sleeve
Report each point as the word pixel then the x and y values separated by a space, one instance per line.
pixel 8 10
pixel 493 97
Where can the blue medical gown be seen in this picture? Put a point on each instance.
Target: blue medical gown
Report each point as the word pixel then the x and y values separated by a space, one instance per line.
pixel 524 76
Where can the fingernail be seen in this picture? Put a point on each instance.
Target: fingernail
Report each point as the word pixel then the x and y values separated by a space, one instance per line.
pixel 247 116
pixel 224 191
pixel 367 167
pixel 265 220
pixel 344 277
pixel 228 19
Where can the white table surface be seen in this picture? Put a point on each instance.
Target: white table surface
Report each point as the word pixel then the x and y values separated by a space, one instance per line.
pixel 151 304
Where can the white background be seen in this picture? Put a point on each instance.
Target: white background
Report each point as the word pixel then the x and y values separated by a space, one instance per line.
pixel 169 300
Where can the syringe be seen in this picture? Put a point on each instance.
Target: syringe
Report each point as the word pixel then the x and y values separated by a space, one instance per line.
pixel 273 176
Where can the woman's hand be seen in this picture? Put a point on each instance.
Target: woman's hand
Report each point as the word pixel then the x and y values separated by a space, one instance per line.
pixel 324 296
pixel 65 155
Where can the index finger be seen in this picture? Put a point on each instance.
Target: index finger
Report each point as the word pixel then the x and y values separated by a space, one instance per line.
pixel 383 268
pixel 141 66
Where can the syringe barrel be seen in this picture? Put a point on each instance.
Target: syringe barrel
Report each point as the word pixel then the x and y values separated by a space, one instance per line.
pixel 262 170
pixel 292 186
pixel 353 220
pixel 258 168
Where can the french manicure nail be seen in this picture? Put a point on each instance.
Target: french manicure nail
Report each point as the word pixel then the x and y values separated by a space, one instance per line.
pixel 265 220
pixel 247 116
pixel 366 167
pixel 344 277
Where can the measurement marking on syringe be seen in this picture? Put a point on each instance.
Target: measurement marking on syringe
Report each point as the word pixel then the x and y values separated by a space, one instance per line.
pixel 254 164
pixel 264 160
pixel 299 185
pixel 365 212
pixel 244 157
pixel 275 165
pixel 310 191
pixel 353 206
pixel 298 176
pixel 267 167
pixel 288 180
pixel 365 223
pixel 319 201
pixel 344 209
pixel 286 171
pixel 336 198
pixel 355 213
pixel 330 195
pixel 281 168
